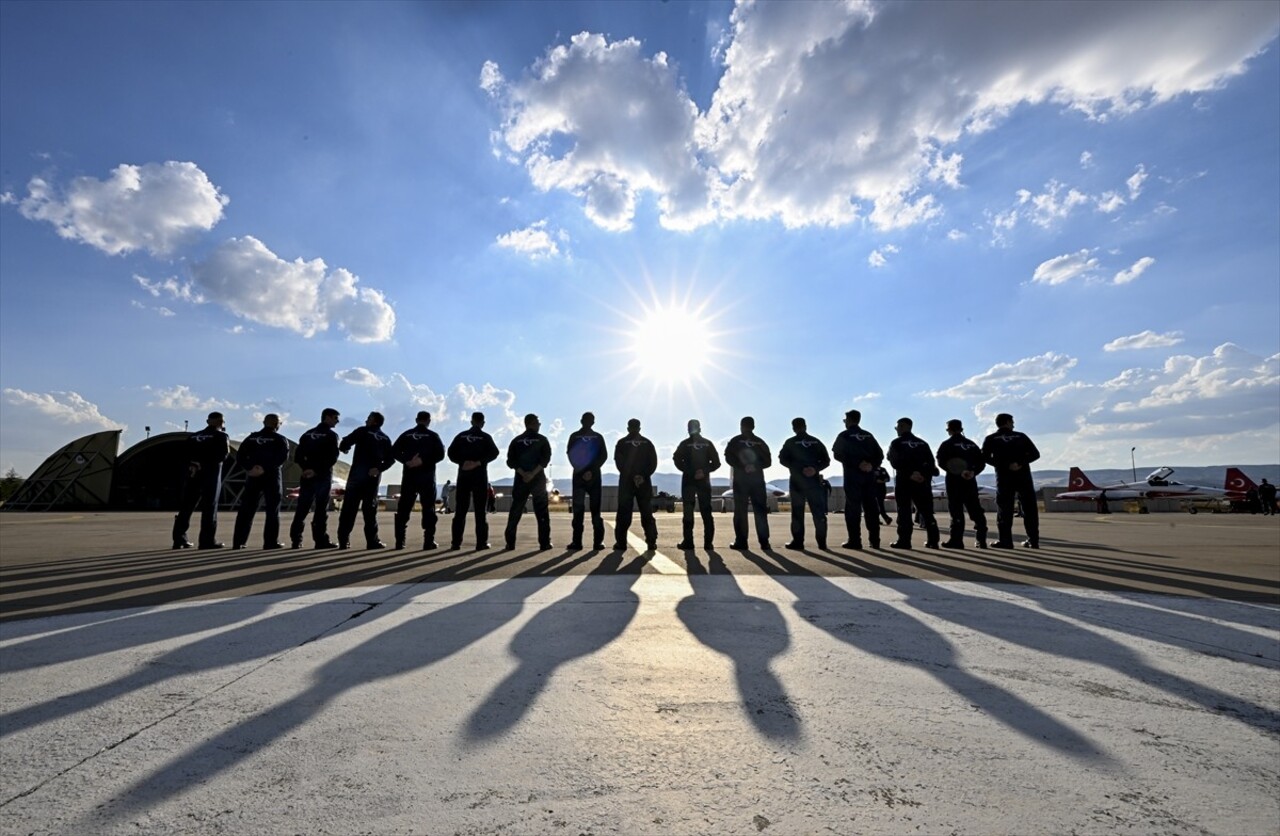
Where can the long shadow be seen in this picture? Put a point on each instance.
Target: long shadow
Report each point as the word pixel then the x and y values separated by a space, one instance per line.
pixel 1026 627
pixel 877 628
pixel 569 629
pixel 1160 625
pixel 406 647
pixel 750 631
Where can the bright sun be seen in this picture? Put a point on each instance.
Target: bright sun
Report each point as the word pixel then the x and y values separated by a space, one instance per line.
pixel 672 344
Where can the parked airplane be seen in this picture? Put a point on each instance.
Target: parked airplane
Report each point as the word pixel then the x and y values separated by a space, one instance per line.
pixel 1158 485
pixel 939 488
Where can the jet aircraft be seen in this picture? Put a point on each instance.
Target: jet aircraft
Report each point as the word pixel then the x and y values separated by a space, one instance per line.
pixel 1158 485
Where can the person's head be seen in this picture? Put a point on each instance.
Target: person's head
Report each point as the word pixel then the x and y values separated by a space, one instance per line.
pixel 424 419
pixel 852 418
pixel 215 420
pixel 798 425
pixel 477 419
pixel 955 427
pixel 374 421
pixel 271 421
pixel 1004 421
pixel 695 426
pixel 903 426
pixel 748 424
pixel 588 420
pixel 330 417
pixel 531 423
pixel 633 426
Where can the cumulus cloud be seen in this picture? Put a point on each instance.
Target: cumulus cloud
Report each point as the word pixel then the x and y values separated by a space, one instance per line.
pixel 156 207
pixel 1146 339
pixel 171 287
pixel 1137 269
pixel 63 407
pixel 1003 377
pixel 878 257
pixel 1086 159
pixel 181 397
pixel 534 241
pixel 867 396
pixel 1064 268
pixel 358 376
pixel 302 296
pixel 803 127
pixel 1135 182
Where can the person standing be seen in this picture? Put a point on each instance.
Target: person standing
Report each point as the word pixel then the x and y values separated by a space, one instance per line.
pixel 316 454
pixel 636 460
pixel 528 455
pixel 861 455
pixel 587 454
pixel 418 449
pixel 446 494
pixel 206 451
pixel 472 450
pixel 1267 496
pixel 261 455
pixel 914 470
pixel 882 493
pixel 962 461
pixel 748 456
pixel 806 457
pixel 372 456
pixel 1011 454
pixel 696 459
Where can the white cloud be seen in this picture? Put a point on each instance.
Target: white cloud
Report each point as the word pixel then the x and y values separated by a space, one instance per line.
pixel 303 296
pixel 1137 269
pixel 1086 159
pixel 877 257
pixel 1135 182
pixel 62 407
pixel 1052 205
pixel 957 235
pixel 803 128
pixel 156 207
pixel 181 397
pixel 358 376
pixel 183 291
pixel 1064 268
pixel 1042 369
pixel 1109 202
pixel 1146 339
pixel 867 396
pixel 534 241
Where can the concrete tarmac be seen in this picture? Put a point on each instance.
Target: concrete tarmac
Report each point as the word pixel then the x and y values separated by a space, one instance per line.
pixel 1124 678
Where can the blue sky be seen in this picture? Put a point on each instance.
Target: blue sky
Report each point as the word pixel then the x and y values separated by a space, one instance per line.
pixel 664 210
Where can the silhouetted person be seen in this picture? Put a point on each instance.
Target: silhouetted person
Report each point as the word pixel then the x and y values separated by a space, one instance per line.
pixel 636 460
pixel 1011 454
pixel 373 455
pixel 418 449
pixel 961 459
pixel 206 451
pixel 861 455
pixel 882 493
pixel 913 466
pixel 806 457
pixel 472 450
pixel 446 495
pixel 528 455
pixel 587 453
pixel 696 459
pixel 748 455
pixel 1267 496
pixel 316 454
pixel 262 455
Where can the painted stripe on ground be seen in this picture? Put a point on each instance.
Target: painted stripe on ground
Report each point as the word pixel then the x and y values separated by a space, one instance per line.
pixel 659 561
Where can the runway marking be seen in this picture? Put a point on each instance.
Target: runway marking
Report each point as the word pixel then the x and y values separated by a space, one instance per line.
pixel 659 561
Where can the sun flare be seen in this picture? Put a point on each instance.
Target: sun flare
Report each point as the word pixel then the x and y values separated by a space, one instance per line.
pixel 672 344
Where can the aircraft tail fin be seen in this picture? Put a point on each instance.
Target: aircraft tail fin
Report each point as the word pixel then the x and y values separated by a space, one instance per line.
pixel 1237 482
pixel 1079 482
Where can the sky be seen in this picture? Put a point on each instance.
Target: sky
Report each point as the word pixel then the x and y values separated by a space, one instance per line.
pixel 661 210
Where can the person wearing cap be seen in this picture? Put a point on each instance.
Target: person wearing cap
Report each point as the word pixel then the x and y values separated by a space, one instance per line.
pixel 587 453
pixel 696 459
pixel 472 450
pixel 636 460
pixel 1011 454
pixel 961 460
pixel 747 456
pixel 207 451
pixel 861 455
pixel 372 456
pixel 261 455
pixel 418 449
pixel 914 470
pixel 806 457
pixel 528 455
pixel 316 454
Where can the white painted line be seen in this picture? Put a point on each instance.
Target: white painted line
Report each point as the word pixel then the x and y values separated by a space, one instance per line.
pixel 659 561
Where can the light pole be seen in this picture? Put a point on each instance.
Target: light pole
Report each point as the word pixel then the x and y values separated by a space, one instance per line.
pixel 1133 462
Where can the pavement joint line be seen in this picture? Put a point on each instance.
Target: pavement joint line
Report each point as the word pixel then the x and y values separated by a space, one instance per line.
pixel 175 712
pixel 659 561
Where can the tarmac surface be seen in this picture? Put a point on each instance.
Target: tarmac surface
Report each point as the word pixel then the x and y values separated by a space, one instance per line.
pixel 1124 678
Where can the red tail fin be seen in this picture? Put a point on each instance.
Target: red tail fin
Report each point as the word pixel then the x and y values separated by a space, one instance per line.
pixel 1237 483
pixel 1079 482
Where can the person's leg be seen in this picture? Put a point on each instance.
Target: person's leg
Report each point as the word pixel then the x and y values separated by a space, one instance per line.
pixel 245 513
pixel 703 492
pixel 595 493
pixel 578 504
pixel 271 490
pixel 520 490
pixel 541 511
